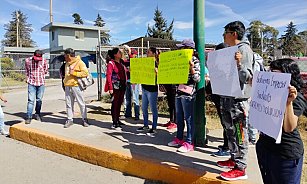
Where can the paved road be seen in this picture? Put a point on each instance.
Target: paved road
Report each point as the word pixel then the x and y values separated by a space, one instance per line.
pixel 21 163
pixel 25 164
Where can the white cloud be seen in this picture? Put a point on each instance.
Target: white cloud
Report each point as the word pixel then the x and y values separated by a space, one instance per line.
pixel 24 4
pixel 227 12
pixel 108 9
pixel 284 22
pixel 183 25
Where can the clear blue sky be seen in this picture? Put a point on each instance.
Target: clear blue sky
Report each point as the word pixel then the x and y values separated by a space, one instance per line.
pixel 128 19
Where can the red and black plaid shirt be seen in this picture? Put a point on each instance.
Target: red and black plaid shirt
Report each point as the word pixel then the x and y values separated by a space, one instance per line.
pixel 36 71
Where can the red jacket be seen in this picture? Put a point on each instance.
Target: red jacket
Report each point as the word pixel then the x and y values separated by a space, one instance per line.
pixel 110 79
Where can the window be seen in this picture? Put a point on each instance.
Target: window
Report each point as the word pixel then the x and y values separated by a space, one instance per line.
pixel 52 35
pixel 79 35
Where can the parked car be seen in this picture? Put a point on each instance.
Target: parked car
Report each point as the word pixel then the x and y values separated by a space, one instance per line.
pixel 302 64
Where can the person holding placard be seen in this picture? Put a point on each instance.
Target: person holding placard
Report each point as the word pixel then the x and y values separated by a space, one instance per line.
pixel 223 150
pixel 150 97
pixel 185 97
pixel 116 84
pixel 282 163
pixel 234 110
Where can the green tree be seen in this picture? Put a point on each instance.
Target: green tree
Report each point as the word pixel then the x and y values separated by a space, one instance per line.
pixel 160 28
pixel 303 36
pixel 105 37
pixel 259 31
pixel 77 18
pixel 291 43
pixel 24 31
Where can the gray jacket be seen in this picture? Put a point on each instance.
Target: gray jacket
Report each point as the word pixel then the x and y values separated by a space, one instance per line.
pixel 246 70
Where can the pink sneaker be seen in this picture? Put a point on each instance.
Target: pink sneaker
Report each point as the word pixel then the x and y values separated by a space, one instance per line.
pixel 186 147
pixel 176 142
pixel 172 125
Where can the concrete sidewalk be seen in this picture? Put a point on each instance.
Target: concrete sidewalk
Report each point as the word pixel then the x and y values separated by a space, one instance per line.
pixel 129 151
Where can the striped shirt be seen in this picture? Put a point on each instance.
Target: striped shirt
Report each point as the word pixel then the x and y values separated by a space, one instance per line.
pixel 36 71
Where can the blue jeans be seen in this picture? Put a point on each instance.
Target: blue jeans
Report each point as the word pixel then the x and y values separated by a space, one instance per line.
pixel 275 169
pixel 184 111
pixel 1 118
pixel 132 90
pixel 152 99
pixel 35 93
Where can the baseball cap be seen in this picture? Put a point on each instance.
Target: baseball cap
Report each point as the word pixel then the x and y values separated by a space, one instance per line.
pixel 186 43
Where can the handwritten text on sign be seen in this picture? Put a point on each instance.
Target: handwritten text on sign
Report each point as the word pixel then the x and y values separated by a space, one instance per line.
pixel 268 102
pixel 223 72
pixel 142 71
pixel 174 66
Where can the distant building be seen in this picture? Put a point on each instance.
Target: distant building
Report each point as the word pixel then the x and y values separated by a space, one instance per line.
pixel 82 38
pixel 79 37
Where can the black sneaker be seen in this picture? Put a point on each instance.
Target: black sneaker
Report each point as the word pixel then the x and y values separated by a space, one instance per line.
pixel 143 128
pixel 136 118
pixel 38 117
pixel 151 133
pixel 116 127
pixel 28 121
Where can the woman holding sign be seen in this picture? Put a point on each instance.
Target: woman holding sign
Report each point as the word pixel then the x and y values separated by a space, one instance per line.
pixel 185 97
pixel 150 97
pixel 282 163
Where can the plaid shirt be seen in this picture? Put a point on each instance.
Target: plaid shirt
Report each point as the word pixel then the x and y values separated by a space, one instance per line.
pixel 36 71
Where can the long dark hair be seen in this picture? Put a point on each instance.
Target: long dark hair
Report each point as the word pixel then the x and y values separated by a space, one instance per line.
pixel 156 52
pixel 287 65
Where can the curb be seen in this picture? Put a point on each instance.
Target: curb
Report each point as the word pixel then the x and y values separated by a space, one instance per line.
pixel 136 166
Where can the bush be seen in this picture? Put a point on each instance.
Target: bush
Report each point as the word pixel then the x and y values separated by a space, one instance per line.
pixel 17 76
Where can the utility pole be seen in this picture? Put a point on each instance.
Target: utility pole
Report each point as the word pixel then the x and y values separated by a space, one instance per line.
pixel 17 29
pixel 199 38
pixel 50 12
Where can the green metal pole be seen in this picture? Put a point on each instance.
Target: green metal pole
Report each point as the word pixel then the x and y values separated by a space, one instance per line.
pixel 199 38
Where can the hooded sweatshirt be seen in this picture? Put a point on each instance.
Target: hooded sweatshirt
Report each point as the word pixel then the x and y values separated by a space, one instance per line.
pixel 246 70
pixel 79 68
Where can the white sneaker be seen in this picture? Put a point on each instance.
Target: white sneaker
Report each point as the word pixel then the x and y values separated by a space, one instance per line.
pixel 3 132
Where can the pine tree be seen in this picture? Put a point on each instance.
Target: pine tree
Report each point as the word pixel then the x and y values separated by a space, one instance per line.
pixel 160 29
pixel 77 18
pixel 291 43
pixel 24 31
pixel 105 37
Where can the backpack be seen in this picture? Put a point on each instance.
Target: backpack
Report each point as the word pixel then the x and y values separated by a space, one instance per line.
pixel 257 62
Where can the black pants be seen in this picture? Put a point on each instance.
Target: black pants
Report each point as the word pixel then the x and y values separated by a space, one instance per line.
pixel 170 95
pixel 216 99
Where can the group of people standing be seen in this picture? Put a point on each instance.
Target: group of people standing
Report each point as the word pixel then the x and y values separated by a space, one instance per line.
pixel 278 163
pixel 275 160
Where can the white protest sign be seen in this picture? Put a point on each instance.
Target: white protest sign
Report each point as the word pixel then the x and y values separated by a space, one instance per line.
pixel 268 102
pixel 223 72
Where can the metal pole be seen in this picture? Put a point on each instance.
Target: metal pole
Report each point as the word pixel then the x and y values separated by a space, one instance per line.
pixel 199 37
pixel 142 47
pixel 50 12
pixel 98 63
pixel 17 29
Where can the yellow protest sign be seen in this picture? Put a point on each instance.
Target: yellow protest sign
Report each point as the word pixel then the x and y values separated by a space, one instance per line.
pixel 142 71
pixel 174 66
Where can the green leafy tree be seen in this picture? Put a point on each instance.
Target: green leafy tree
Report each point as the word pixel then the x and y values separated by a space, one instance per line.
pixel 160 29
pixel 24 31
pixel 259 31
pixel 291 43
pixel 77 18
pixel 105 37
pixel 303 36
